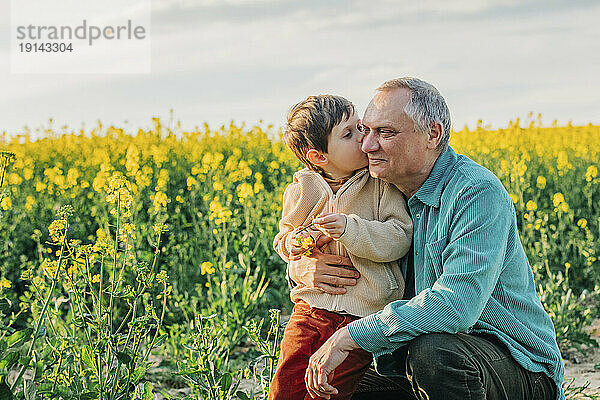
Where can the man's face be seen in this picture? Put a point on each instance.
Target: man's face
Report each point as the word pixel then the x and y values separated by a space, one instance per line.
pixel 395 151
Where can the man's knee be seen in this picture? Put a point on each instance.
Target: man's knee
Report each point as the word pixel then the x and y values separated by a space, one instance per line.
pixel 433 355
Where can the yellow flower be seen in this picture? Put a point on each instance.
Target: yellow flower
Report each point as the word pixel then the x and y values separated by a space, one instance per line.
pixel 244 191
pixel 57 230
pixel 127 231
pixel 96 278
pixel 591 173
pixel 191 181
pixel 218 213
pixel 29 202
pixel 582 223
pixel 207 268
pixel 5 283
pixel 557 199
pixel 73 268
pixel 541 182
pixel 160 200
pixel 531 205
pixel 5 203
pixel 514 197
pixel 307 242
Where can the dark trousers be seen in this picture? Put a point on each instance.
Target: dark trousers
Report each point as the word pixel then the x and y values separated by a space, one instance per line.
pixel 456 366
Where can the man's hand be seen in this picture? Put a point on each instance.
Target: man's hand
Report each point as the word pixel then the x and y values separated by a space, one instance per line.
pixel 327 272
pixel 332 225
pixel 323 362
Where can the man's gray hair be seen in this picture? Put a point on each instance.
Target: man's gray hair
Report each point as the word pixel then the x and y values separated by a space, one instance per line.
pixel 425 107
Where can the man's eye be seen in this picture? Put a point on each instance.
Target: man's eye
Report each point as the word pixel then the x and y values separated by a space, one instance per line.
pixel 348 133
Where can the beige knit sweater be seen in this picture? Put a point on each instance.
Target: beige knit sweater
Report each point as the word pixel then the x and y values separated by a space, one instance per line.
pixel 378 233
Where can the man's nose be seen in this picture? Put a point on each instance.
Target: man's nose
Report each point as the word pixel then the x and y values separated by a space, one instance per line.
pixel 369 143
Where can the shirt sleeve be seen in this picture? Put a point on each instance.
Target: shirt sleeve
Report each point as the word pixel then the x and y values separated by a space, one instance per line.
pixel 386 239
pixel 471 264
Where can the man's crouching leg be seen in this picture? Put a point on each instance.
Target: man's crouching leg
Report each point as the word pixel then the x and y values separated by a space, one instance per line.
pixel 462 366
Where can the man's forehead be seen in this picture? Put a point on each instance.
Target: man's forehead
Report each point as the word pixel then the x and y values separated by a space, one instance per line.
pixel 391 98
pixel 387 107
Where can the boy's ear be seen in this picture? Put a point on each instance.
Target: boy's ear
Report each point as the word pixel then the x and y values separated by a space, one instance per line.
pixel 316 157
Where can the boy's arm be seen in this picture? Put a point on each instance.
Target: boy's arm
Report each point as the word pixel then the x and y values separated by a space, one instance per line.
pixel 386 239
pixel 293 216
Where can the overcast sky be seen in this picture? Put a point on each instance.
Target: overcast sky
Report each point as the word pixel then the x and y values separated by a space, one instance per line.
pixel 250 60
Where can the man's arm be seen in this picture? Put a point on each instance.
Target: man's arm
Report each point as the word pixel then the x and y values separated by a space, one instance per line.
pixel 471 262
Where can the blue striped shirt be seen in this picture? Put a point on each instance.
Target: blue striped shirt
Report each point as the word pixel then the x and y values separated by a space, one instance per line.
pixel 471 273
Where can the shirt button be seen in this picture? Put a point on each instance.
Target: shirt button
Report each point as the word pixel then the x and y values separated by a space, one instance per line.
pixel 416 252
pixel 418 215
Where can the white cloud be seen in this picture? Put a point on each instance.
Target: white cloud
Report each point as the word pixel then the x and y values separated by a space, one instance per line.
pixel 246 60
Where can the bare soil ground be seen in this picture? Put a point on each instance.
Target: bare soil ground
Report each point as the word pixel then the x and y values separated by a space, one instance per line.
pixel 585 367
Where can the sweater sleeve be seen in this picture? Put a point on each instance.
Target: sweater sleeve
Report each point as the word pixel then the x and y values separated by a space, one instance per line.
pixel 293 216
pixel 386 239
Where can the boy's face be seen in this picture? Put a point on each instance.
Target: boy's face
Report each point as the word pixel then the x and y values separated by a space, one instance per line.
pixel 344 155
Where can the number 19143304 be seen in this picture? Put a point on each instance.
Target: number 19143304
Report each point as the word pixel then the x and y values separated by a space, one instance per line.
pixel 46 47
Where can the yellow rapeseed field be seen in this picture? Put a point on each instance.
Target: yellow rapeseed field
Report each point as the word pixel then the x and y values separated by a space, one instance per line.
pixel 154 231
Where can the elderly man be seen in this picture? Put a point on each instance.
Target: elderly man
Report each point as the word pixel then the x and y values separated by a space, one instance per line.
pixel 476 328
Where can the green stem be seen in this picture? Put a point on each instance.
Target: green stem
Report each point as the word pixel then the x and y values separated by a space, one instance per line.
pixel 4 168
pixel 60 360
pixel 78 302
pixel 44 308
pixel 116 376
pixel 160 322
pixel 114 271
pixel 100 324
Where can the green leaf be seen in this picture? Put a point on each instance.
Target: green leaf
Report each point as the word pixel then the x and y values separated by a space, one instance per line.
pixel 5 305
pixel 148 391
pixel 9 360
pixel 87 355
pixel 5 393
pixel 139 373
pixel 30 390
pixel 25 360
pixel 161 339
pixel 19 337
pixel 45 387
pixel 123 357
pixel 226 381
pixel 88 396
pixel 42 331
pixel 242 396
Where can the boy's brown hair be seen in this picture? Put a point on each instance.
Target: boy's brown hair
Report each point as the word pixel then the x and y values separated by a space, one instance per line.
pixel 309 124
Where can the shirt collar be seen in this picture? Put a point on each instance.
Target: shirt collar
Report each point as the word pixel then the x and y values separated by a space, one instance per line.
pixel 431 191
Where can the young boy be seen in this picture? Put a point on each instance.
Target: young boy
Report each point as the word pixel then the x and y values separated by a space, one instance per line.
pixel 366 217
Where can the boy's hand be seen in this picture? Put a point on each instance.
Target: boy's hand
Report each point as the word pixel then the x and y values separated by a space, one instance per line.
pixel 332 225
pixel 301 241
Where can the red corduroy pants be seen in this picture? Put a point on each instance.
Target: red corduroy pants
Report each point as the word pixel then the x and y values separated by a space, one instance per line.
pixel 307 329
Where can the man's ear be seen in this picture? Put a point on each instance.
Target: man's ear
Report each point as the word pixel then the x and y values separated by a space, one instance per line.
pixel 316 157
pixel 434 137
